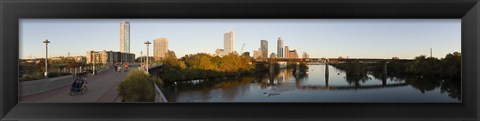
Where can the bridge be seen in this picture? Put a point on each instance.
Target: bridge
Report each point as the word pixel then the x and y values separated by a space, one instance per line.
pixel 330 60
pixel 102 87
pixel 326 86
pixel 156 68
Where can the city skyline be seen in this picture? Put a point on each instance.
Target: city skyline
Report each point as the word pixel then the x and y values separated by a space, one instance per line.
pixel 336 37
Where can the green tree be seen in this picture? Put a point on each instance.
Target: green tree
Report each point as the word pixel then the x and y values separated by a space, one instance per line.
pixel 138 87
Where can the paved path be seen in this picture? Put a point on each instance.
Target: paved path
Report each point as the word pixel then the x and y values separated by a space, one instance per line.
pixel 101 88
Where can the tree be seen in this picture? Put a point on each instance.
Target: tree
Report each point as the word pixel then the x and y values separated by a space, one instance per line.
pixel 138 87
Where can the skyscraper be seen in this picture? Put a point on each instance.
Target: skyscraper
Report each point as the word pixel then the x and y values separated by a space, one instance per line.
pixel 125 36
pixel 228 40
pixel 264 48
pixel 280 48
pixel 160 48
pixel 286 52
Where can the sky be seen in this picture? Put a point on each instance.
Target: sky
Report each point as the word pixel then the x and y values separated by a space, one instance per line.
pixel 330 38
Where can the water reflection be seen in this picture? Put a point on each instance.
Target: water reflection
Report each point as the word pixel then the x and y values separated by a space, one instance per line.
pixel 316 85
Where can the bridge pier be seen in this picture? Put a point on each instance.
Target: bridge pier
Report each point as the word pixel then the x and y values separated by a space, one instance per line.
pixel 326 76
pixel 385 68
pixel 271 67
pixel 297 68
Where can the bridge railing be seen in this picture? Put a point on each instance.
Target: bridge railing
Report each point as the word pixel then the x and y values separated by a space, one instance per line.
pixel 159 97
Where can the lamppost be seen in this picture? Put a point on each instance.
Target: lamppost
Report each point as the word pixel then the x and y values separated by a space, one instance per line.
pixel 46 57
pixel 148 44
pixel 141 58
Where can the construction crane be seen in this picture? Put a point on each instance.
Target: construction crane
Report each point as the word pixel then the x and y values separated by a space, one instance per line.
pixel 241 51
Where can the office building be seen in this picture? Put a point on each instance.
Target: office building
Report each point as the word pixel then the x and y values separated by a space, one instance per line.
pixel 257 54
pixel 293 54
pixel 125 37
pixel 305 55
pixel 286 52
pixel 219 52
pixel 273 55
pixel 264 48
pixel 228 41
pixel 160 48
pixel 105 57
pixel 280 47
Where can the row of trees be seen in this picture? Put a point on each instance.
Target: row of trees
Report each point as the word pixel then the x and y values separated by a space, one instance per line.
pixel 448 67
pixel 203 66
pixel 423 73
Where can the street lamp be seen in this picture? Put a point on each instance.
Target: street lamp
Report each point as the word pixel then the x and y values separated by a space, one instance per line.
pixel 46 57
pixel 141 58
pixel 148 44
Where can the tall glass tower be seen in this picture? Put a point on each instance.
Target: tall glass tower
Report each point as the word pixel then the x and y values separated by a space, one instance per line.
pixel 280 48
pixel 125 37
pixel 264 48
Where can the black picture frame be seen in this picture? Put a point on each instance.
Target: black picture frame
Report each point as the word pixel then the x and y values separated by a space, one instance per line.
pixel 13 10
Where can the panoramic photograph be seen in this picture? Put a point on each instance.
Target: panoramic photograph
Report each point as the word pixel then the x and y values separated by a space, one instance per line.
pixel 240 61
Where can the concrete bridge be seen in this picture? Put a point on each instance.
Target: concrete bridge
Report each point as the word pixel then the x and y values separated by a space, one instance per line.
pixel 324 61
pixel 330 60
pixel 102 87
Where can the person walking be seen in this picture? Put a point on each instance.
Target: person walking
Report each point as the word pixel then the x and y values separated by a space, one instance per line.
pixel 115 67
pixel 126 67
pixel 119 69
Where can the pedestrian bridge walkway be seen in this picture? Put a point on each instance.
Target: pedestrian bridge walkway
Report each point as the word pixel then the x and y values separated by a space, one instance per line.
pixel 101 88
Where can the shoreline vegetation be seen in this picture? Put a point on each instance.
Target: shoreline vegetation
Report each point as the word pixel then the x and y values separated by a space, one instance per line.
pixel 422 66
pixel 423 73
pixel 138 87
pixel 205 66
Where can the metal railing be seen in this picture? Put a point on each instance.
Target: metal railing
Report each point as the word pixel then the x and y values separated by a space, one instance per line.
pixel 42 85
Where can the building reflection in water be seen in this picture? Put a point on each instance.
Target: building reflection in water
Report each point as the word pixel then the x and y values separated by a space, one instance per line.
pixel 262 86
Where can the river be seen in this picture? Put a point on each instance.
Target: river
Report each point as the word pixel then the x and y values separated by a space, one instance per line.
pixel 319 84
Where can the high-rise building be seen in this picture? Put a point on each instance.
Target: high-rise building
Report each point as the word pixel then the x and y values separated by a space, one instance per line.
pixel 160 48
pixel 286 52
pixel 228 40
pixel 280 48
pixel 125 37
pixel 264 48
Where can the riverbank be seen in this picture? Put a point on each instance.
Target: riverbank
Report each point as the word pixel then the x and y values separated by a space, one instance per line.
pixel 422 66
